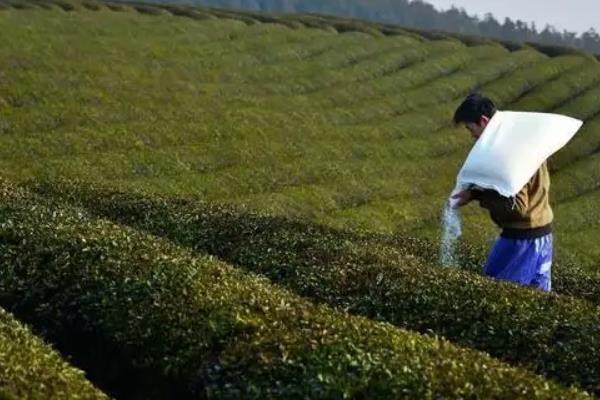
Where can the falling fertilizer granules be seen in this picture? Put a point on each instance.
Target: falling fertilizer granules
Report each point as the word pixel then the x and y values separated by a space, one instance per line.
pixel 451 231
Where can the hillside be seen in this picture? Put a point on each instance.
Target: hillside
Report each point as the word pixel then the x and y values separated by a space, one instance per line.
pixel 156 156
pixel 424 15
pixel 350 130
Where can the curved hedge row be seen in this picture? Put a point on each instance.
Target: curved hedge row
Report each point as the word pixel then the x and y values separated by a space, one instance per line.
pixel 583 106
pixel 384 55
pixel 177 326
pixel 440 58
pixel 552 335
pixel 31 370
pixel 578 177
pixel 455 82
pixel 562 89
pixel 351 57
pixel 587 141
pixel 271 48
pixel 578 229
pixel 504 91
pixel 270 181
pixel 293 21
pixel 328 51
pixel 521 83
pixel 584 145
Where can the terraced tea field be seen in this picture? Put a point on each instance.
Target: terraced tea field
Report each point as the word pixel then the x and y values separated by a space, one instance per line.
pixel 203 203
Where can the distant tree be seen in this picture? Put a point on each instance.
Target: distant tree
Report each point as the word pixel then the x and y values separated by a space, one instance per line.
pixel 591 40
pixel 490 26
pixel 509 30
pixel 570 38
pixel 549 35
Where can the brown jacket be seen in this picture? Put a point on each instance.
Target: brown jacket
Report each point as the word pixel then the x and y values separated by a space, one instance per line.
pixel 529 210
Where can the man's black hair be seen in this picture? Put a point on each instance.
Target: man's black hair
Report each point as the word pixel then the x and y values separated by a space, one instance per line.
pixel 473 108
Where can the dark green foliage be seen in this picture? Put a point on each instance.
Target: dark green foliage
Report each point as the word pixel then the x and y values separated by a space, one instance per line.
pixel 292 24
pixel 65 5
pixel 150 10
pixel 288 21
pixel 391 30
pixel 380 278
pixel 20 4
pixel 45 4
pixel 348 25
pixel 90 5
pixel 233 15
pixel 29 369
pixel 115 6
pixel 471 40
pixel 4 395
pixel 199 328
pixel 513 46
pixel 310 21
pixel 556 51
pixel 430 35
pixel 185 11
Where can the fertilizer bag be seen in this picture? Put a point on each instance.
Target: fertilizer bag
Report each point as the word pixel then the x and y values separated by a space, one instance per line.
pixel 511 149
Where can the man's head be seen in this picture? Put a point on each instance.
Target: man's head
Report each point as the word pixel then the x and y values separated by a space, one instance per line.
pixel 475 112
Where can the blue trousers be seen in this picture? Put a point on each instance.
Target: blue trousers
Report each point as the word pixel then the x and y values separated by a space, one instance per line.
pixel 524 261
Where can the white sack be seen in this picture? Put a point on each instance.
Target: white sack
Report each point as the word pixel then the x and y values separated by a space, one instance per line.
pixel 512 148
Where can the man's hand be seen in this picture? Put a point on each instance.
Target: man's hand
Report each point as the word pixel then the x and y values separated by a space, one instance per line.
pixel 462 198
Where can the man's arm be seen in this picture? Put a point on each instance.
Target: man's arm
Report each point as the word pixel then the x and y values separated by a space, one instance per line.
pixel 506 207
pixel 516 206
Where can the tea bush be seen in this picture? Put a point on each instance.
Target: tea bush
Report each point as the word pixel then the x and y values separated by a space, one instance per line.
pixel 30 369
pixel 182 326
pixel 562 89
pixel 552 335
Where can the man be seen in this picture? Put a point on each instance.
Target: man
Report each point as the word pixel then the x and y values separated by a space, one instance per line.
pixel 523 252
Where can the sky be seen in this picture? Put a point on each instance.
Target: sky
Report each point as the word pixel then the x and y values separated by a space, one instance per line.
pixel 572 15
